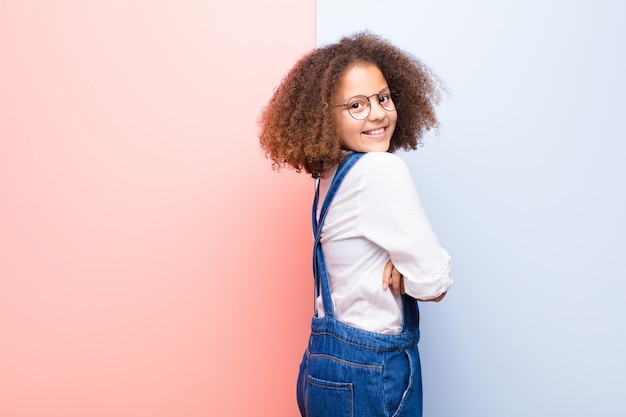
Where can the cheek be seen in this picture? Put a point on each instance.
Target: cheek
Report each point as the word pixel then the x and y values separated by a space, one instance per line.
pixel 393 121
pixel 394 117
pixel 346 127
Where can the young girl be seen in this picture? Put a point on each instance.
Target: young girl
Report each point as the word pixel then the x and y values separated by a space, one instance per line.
pixel 339 114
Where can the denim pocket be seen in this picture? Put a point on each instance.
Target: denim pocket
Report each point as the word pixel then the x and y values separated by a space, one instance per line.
pixel 328 398
pixel 398 375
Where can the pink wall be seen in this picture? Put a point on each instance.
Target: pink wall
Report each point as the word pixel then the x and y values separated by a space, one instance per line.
pixel 151 263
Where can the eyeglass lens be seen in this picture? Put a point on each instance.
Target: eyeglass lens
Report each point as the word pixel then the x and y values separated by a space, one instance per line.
pixel 360 106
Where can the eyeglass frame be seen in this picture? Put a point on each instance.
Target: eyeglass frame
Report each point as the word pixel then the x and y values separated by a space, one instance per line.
pixel 369 103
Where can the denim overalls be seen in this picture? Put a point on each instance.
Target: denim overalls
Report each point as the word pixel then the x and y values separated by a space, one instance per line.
pixel 348 372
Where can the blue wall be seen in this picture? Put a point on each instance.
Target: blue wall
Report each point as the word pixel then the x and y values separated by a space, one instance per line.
pixel 525 188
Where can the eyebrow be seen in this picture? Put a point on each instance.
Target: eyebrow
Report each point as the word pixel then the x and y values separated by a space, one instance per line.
pixel 365 95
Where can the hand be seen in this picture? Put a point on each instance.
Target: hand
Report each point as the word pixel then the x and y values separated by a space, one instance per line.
pixel 392 278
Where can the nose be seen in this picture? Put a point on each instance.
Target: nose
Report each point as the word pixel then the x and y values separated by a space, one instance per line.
pixel 376 110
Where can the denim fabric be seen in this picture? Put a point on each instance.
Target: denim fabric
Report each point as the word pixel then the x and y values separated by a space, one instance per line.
pixel 350 372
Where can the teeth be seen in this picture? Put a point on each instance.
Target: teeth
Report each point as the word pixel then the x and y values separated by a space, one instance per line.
pixel 375 132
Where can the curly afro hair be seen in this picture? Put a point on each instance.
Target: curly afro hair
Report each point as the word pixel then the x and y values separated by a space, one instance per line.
pixel 297 127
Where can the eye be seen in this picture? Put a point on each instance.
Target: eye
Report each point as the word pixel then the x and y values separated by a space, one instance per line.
pixel 384 98
pixel 358 104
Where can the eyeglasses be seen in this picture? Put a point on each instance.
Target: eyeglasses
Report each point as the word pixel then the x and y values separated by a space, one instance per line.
pixel 359 107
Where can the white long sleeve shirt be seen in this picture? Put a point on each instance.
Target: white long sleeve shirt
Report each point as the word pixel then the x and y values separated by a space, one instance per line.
pixel 375 216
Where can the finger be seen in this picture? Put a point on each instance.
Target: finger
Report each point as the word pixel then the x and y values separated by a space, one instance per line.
pixel 387 274
pixel 398 285
pixel 396 281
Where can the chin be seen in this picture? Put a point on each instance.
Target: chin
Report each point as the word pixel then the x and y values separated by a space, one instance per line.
pixel 380 147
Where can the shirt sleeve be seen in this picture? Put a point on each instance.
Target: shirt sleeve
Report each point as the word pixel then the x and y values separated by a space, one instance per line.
pixel 391 215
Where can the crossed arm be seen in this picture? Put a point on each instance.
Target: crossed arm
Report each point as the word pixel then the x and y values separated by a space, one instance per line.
pixel 392 278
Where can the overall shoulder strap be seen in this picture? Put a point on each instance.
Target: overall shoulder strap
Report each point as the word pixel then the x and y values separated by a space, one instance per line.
pixel 340 174
pixel 319 265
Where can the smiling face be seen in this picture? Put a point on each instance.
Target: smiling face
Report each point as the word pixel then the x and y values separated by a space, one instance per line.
pixel 372 134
